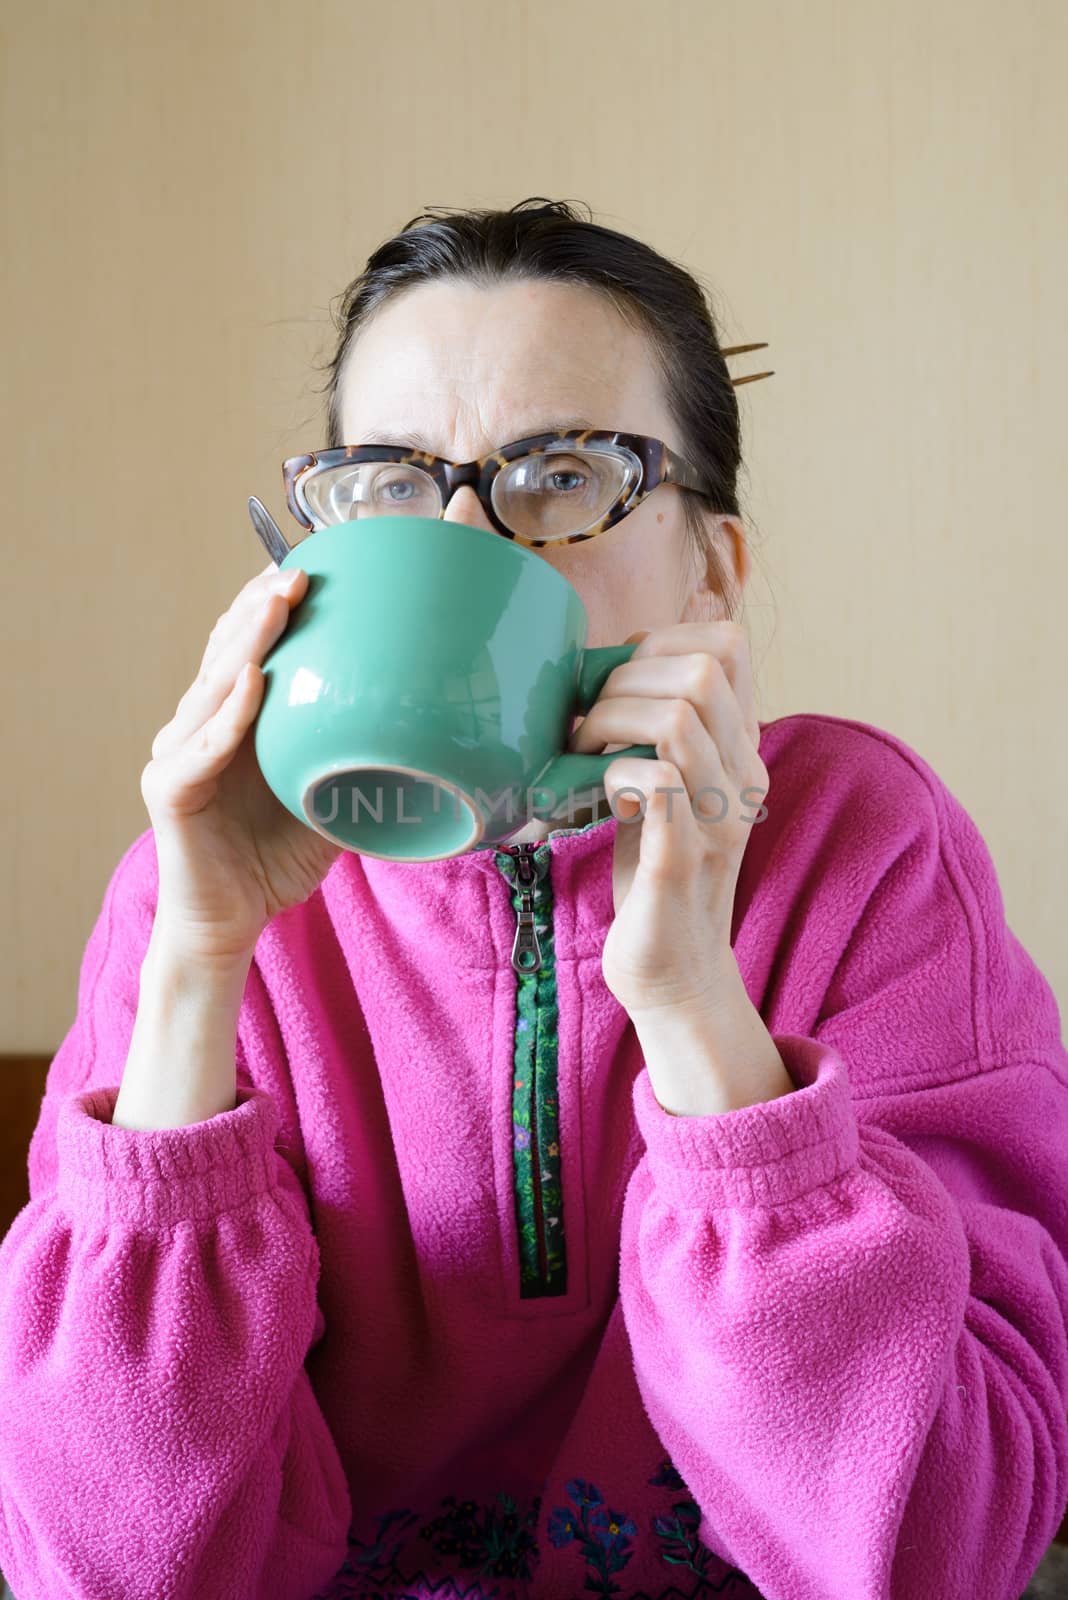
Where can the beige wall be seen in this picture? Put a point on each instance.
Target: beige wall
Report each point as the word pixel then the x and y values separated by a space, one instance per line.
pixel 877 189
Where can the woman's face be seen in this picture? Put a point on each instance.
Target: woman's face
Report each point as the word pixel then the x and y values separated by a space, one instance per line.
pixel 471 369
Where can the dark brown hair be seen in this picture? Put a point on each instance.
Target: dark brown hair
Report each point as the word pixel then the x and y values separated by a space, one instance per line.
pixel 539 238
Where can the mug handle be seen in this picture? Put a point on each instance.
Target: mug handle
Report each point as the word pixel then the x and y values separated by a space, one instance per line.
pixel 579 769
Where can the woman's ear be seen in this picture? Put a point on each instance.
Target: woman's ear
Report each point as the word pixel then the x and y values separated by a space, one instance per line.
pixel 727 565
pixel 731 540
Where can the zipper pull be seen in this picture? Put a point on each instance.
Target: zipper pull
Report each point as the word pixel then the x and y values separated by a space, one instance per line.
pixel 526 951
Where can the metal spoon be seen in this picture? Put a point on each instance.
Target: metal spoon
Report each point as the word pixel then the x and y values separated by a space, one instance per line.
pixel 271 536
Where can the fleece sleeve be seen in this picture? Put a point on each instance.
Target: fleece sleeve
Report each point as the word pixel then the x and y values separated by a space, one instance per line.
pixel 847 1306
pixel 159 1436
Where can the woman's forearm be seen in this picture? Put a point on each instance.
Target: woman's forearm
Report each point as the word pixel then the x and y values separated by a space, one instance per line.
pixel 710 1062
pixel 181 1066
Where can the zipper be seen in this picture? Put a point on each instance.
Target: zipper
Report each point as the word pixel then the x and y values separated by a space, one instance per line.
pixel 526 959
pixel 535 1095
pixel 526 951
pixel 535 1105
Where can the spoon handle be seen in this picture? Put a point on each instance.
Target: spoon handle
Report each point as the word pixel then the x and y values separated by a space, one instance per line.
pixel 271 535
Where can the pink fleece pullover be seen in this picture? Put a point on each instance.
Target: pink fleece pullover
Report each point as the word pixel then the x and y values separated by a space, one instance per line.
pixel 449 1305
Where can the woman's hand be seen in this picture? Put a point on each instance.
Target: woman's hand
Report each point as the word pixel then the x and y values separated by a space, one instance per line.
pixel 230 854
pixel 688 690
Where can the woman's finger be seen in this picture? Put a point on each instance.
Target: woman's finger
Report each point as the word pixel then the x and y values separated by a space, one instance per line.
pixel 623 712
pixel 725 640
pixel 245 604
pixel 181 781
pixel 249 639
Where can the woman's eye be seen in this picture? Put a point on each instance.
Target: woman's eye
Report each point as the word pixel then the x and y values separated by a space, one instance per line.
pixel 564 473
pixel 396 484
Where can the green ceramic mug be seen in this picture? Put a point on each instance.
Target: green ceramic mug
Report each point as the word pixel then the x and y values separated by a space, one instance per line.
pixel 418 703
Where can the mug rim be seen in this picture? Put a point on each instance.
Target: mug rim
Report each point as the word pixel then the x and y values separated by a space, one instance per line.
pixel 463 530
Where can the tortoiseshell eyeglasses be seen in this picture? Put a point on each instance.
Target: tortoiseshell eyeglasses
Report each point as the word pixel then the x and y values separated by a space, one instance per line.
pixel 546 489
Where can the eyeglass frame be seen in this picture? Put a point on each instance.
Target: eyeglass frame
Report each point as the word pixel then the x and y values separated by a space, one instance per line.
pixel 659 464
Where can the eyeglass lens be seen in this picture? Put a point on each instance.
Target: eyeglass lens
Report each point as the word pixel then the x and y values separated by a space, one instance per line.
pixel 548 495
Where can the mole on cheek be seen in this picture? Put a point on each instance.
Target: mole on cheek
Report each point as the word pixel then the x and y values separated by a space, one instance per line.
pixel 660 516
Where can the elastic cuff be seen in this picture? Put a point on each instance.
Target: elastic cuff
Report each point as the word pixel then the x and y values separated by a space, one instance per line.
pixel 758 1155
pixel 153 1178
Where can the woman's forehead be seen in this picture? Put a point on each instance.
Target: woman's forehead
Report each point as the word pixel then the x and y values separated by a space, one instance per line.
pixel 497 364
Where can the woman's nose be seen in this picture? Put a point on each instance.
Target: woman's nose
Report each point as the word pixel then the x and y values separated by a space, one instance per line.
pixel 464 507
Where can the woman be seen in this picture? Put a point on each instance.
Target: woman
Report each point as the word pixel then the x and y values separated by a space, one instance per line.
pixel 722 1253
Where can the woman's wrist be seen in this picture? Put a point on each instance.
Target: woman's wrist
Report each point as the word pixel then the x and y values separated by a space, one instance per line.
pixel 188 958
